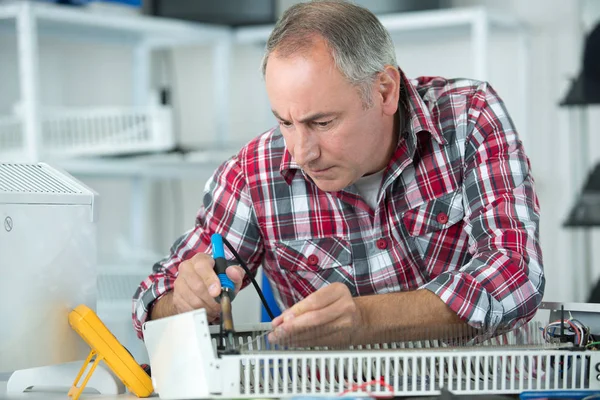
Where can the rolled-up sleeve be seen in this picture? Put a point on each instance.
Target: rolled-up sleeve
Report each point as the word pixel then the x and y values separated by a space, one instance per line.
pixel 502 285
pixel 227 209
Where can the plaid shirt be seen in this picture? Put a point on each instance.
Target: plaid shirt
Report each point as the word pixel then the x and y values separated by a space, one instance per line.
pixel 456 214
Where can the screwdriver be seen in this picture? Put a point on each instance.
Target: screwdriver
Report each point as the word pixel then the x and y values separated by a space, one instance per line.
pixel 227 289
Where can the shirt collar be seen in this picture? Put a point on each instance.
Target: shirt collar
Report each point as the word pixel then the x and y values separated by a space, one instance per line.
pixel 412 106
pixel 419 116
pixel 288 166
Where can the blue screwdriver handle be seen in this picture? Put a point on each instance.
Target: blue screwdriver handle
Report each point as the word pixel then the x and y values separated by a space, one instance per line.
pixel 221 262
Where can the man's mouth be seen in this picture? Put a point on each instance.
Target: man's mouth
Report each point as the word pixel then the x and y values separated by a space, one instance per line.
pixel 319 171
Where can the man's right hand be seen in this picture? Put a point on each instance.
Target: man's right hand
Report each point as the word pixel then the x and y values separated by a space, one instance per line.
pixel 195 287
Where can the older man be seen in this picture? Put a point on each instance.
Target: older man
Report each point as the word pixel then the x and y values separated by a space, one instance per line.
pixel 378 201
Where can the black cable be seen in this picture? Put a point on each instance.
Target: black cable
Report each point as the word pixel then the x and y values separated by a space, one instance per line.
pixel 245 267
pixel 562 324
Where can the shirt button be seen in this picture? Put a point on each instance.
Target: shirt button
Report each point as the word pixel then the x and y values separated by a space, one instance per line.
pixel 313 260
pixel 381 244
pixel 442 218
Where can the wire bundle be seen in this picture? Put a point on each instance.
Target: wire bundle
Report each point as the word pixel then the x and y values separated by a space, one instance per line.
pixel 568 330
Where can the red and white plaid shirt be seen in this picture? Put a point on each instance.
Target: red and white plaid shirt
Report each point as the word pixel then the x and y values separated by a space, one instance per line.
pixel 456 214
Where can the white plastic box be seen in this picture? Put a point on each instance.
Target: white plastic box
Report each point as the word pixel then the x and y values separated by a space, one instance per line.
pixel 47 263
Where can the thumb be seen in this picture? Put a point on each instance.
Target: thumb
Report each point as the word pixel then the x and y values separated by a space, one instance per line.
pixel 236 274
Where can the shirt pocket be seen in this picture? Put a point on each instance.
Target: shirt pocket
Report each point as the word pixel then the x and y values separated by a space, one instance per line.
pixel 437 234
pixel 311 264
pixel 313 254
pixel 437 214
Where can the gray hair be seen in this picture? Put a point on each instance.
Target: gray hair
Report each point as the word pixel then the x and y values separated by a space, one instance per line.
pixel 360 45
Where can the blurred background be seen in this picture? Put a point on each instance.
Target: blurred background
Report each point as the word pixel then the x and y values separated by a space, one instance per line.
pixel 142 100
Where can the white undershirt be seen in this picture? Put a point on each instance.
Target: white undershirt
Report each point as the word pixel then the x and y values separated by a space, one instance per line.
pixel 368 187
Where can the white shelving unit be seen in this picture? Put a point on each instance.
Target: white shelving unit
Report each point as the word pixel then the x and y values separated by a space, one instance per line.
pixel 146 126
pixel 150 167
pixel 70 137
pixel 36 133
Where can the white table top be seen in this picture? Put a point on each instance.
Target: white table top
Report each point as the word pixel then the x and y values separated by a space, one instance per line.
pixel 57 395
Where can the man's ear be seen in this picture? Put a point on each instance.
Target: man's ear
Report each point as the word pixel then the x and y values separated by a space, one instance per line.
pixel 388 87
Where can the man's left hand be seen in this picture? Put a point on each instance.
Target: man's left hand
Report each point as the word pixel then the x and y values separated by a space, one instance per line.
pixel 328 317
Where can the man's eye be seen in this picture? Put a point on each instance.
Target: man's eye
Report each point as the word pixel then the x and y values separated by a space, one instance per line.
pixel 285 124
pixel 323 123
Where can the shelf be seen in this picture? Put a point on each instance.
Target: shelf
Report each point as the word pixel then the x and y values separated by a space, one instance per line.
pixel 80 22
pixel 439 20
pixel 118 281
pixel 127 268
pixel 442 19
pixel 162 166
pixel 91 131
pixel 119 288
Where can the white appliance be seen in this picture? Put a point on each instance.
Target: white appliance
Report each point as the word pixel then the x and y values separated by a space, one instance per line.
pixel 48 267
pixel 187 365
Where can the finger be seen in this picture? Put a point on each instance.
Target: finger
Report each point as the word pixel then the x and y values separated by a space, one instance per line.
pixel 181 305
pixel 204 266
pixel 197 302
pixel 293 324
pixel 317 300
pixel 337 318
pixel 194 292
pixel 338 333
pixel 315 318
pixel 236 274
pixel 180 296
pixel 277 321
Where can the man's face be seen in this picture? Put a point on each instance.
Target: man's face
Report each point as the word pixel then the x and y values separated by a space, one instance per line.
pixel 321 115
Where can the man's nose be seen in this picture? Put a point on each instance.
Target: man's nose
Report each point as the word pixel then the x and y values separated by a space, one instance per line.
pixel 306 148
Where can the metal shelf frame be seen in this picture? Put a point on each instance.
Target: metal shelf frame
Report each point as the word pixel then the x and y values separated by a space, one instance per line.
pixel 143 33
